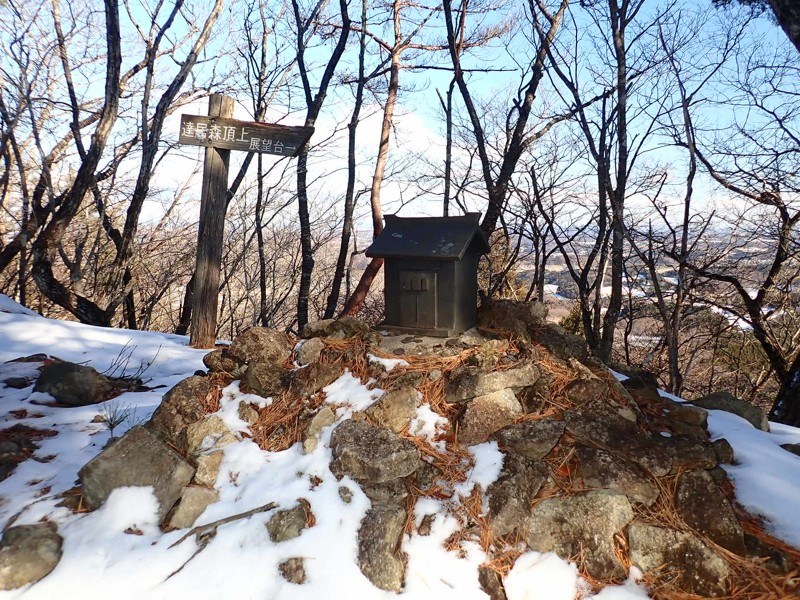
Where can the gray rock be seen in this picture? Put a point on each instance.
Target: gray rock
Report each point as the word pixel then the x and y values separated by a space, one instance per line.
pixel 484 415
pixel 602 470
pixel 702 506
pixel 691 415
pixel 247 413
pixel 208 465
pixel 310 351
pixel 691 565
pixel 793 448
pixel 379 540
pixel 28 553
pixel 138 458
pixel 534 438
pixel 504 314
pixel 688 452
pixel 365 452
pixel 345 494
pixel 219 362
pixel 180 407
pixel 389 492
pixel 260 345
pixel 311 379
pixel 560 342
pixel 209 433
pixel 491 583
pixel 324 418
pixel 511 495
pixel 194 500
pixel 266 379
pixel 584 523
pixel 395 409
pixel 471 382
pixel 730 403
pixel 339 329
pixel 293 570
pixel 74 385
pixel 597 424
pixel 289 523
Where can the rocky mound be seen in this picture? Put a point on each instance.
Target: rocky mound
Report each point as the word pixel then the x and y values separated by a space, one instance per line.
pixel 605 473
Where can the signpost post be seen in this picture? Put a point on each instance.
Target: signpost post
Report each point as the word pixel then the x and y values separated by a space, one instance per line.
pixel 220 134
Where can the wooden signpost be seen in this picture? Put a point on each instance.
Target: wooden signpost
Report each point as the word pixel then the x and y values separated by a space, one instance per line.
pixel 220 134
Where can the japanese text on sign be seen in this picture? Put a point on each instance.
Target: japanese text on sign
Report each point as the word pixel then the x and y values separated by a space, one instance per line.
pixel 241 135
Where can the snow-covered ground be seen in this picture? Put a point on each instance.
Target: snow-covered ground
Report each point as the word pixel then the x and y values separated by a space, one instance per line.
pixel 101 560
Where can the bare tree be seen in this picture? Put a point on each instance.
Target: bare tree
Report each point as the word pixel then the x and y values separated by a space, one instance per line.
pixel 306 25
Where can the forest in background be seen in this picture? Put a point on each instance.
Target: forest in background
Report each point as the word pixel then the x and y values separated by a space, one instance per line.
pixel 643 154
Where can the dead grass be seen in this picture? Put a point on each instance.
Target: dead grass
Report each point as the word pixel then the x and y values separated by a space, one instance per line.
pixel 281 424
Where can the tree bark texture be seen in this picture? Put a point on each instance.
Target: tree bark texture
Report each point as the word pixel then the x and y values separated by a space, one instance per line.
pixel 210 233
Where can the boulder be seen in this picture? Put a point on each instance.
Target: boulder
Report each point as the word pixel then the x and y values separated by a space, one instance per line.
pixel 324 418
pixel 470 382
pixel 194 501
pixel 504 314
pixel 260 345
pixel 74 385
pixel 584 524
pixel 311 379
pixel 704 508
pixel 599 469
pixel 394 410
pixel 491 583
pixel 379 538
pixel 219 362
pixel 289 523
pixel 247 413
pixel 309 351
pixel 486 414
pixel 338 329
pixel 730 403
pixel 266 379
pixel 180 407
pixel 138 458
pixel 28 553
pixel 560 342
pixel 691 565
pixel 208 465
pixel 688 452
pixel 534 438
pixel 368 453
pixel 209 433
pixel 688 414
pixel 393 491
pixel 597 424
pixel 643 387
pixel 511 495
pixel 724 451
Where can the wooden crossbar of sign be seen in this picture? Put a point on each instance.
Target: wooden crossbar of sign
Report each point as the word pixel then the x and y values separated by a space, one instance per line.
pixel 247 136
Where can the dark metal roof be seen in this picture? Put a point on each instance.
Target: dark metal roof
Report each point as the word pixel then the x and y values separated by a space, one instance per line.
pixel 432 238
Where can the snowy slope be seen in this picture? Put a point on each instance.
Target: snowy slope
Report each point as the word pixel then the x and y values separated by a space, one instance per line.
pixel 102 561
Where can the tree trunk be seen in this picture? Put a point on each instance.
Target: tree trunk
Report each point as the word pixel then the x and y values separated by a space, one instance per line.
pixel 349 196
pixel 313 107
pixel 787 12
pixel 186 309
pixel 359 296
pixel 786 408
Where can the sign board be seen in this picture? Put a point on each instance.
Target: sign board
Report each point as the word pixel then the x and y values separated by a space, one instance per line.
pixel 247 136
